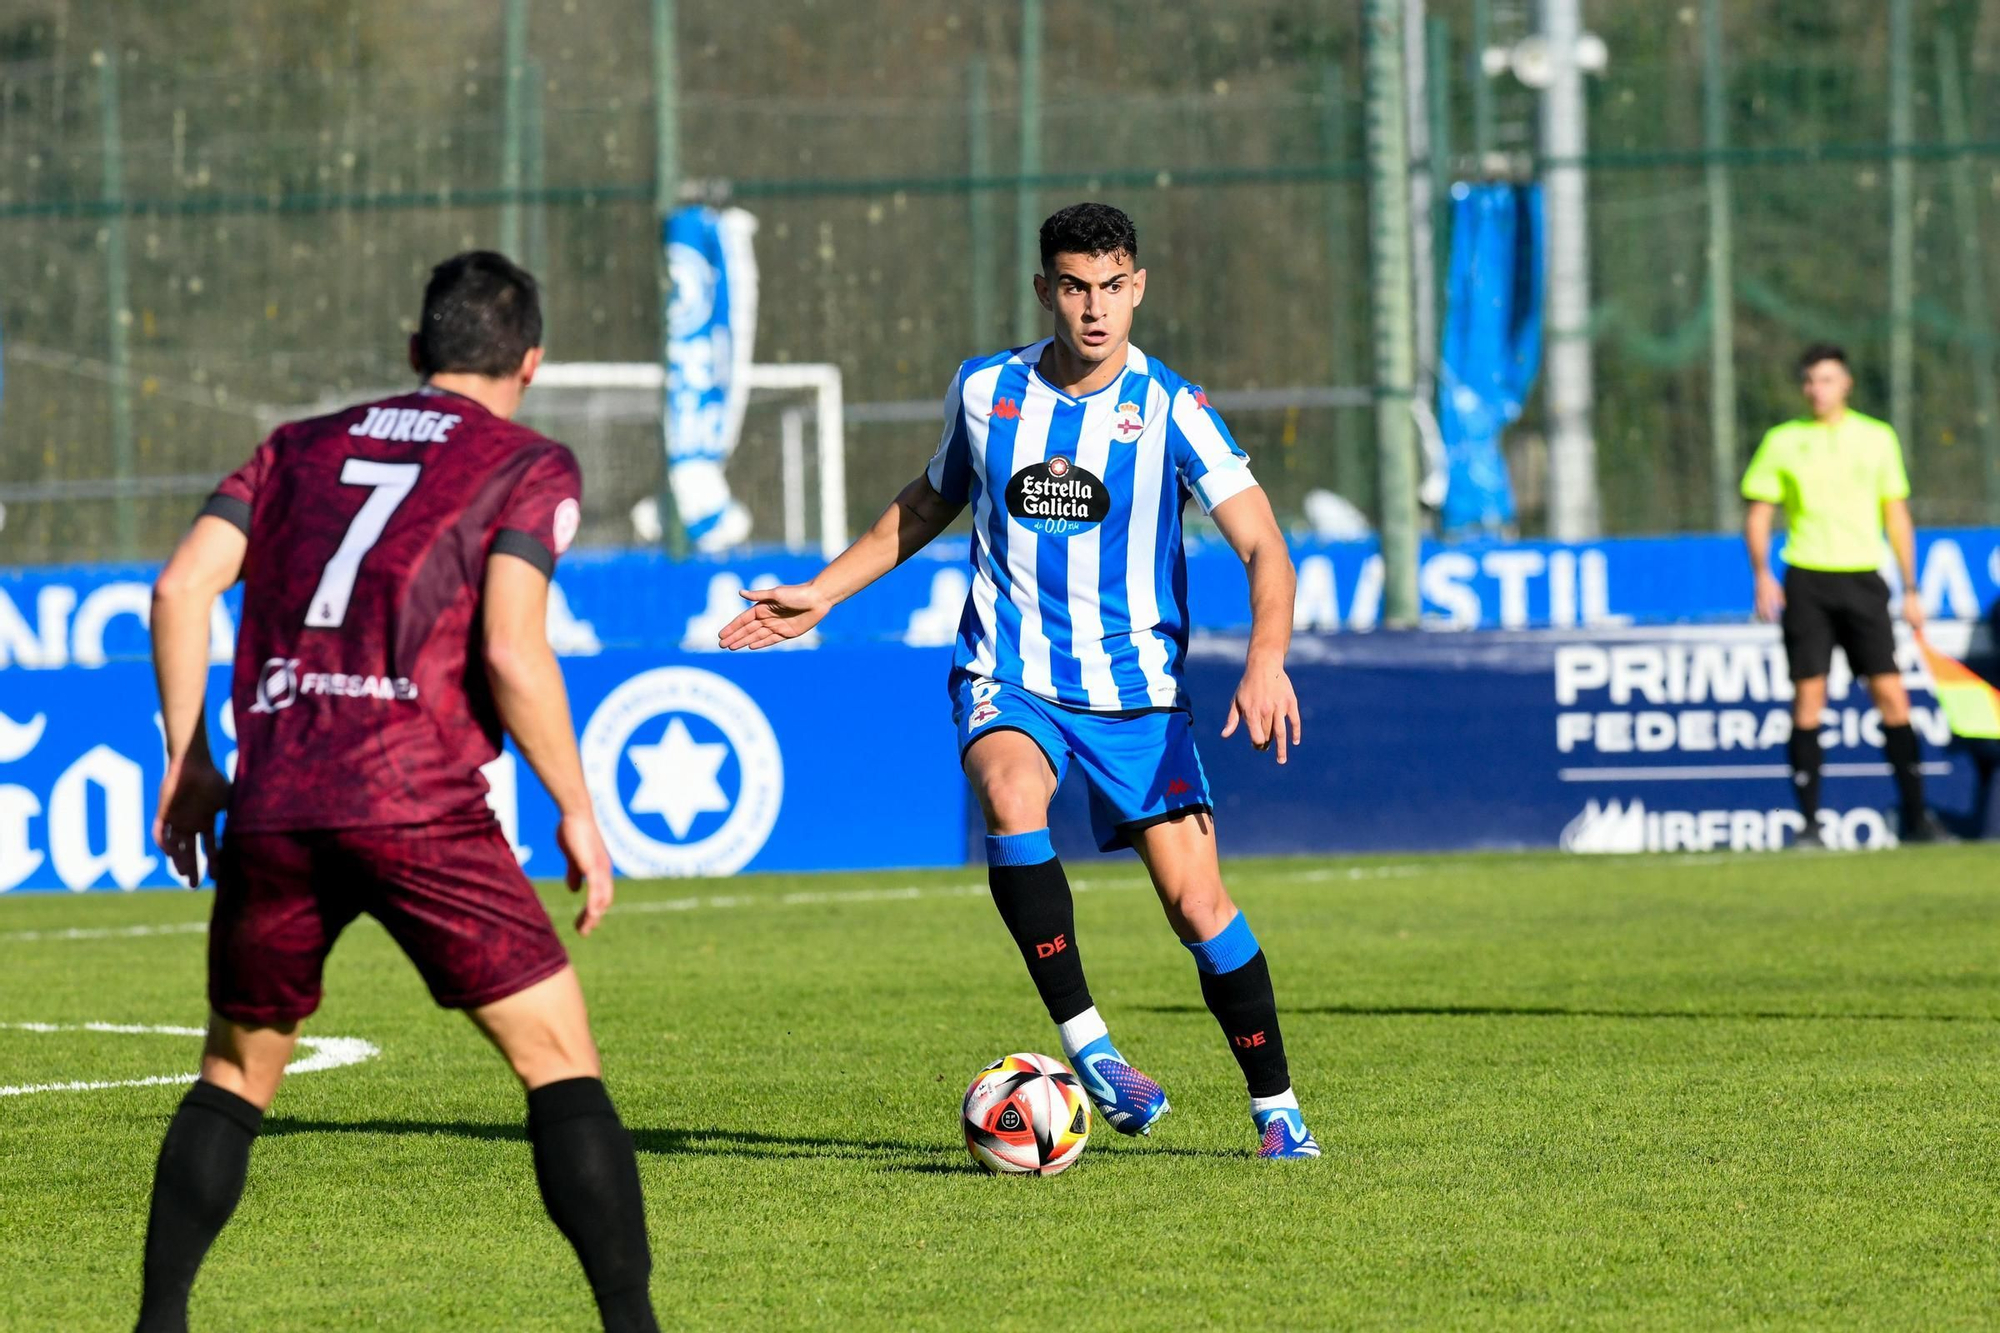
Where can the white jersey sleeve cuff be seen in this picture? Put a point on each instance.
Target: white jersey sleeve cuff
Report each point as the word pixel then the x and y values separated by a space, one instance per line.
pixel 1219 484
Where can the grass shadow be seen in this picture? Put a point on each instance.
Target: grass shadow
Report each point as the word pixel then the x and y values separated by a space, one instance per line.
pixel 698 1142
pixel 1131 1155
pixel 1568 1011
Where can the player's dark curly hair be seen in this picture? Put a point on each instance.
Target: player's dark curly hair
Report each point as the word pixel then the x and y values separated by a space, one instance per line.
pixel 1818 352
pixel 1089 229
pixel 482 313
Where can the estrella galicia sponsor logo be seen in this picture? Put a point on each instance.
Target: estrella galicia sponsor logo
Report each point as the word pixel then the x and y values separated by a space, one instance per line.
pixel 1058 498
pixel 685 772
pixel 277 685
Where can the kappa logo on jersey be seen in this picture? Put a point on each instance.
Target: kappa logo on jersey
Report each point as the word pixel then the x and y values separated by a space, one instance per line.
pixel 277 685
pixel 1058 498
pixel 1006 409
pixel 685 772
pixel 1130 424
pixel 1200 395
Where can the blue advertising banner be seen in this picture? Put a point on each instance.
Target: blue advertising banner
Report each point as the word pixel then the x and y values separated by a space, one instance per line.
pixel 1593 741
pixel 838 753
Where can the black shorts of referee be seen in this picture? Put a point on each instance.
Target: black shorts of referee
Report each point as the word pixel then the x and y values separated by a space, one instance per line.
pixel 1824 608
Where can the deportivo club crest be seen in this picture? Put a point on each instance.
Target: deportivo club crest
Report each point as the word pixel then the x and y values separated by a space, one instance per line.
pixel 1129 425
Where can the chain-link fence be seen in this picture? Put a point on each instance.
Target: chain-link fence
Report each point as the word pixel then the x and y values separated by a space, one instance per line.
pixel 213 214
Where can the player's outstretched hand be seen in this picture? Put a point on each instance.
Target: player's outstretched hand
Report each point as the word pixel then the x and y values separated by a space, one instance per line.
pixel 589 867
pixel 775 615
pixel 1266 704
pixel 191 797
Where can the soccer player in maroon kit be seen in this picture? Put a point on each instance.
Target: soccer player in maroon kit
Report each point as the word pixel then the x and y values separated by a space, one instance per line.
pixel 396 559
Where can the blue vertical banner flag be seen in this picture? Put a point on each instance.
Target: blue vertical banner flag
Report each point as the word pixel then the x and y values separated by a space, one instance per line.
pixel 1492 347
pixel 711 331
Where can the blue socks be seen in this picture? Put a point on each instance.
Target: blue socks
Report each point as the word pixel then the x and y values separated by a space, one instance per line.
pixel 1234 946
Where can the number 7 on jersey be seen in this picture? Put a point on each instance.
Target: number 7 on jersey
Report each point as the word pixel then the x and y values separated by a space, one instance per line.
pixel 390 482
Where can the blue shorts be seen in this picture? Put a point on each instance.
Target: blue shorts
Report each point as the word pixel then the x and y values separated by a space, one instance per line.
pixel 1142 768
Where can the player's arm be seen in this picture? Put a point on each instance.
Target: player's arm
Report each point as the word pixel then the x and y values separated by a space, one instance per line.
pixel 1265 701
pixel 1762 488
pixel 911 522
pixel 1770 593
pixel 1902 533
pixel 208 560
pixel 528 690
pixel 1894 482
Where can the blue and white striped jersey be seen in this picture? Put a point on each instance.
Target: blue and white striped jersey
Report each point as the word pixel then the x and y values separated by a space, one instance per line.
pixel 1079 582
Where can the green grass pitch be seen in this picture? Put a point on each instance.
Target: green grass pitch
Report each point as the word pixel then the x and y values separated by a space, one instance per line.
pixel 1681 1093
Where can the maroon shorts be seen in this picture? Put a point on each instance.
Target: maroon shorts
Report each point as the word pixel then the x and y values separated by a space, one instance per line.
pixel 452 896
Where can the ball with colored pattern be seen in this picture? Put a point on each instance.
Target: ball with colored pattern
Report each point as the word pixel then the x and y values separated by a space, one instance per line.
pixel 1026 1115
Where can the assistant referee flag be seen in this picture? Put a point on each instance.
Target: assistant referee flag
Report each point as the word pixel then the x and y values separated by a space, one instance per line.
pixel 1971 706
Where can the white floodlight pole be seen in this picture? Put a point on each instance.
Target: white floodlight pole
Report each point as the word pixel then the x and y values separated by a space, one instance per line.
pixel 1573 500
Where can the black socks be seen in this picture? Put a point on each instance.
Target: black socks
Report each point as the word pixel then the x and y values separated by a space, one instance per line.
pixel 1804 752
pixel 196 1184
pixel 583 1162
pixel 1899 746
pixel 1236 983
pixel 590 1184
pixel 1906 764
pixel 1033 896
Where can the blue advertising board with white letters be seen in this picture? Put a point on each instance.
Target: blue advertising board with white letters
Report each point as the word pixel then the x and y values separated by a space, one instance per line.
pixel 786 762
pixel 1604 733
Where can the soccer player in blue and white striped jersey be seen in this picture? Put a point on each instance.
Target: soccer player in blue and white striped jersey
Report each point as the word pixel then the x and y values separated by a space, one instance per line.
pixel 1077 454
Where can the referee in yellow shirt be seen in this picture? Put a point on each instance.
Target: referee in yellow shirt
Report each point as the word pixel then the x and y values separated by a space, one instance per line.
pixel 1839 476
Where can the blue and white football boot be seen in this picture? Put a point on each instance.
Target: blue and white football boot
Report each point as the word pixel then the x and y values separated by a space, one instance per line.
pixel 1130 1101
pixel 1282 1135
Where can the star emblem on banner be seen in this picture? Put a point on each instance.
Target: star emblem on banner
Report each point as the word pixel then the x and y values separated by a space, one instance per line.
pixel 677 778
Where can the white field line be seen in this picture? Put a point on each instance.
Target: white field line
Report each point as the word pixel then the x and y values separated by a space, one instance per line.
pixel 912 892
pixel 321 1053
pixel 108 932
pixel 804 898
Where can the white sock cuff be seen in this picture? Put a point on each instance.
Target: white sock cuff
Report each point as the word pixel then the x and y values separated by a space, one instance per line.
pixel 1283 1101
pixel 1080 1031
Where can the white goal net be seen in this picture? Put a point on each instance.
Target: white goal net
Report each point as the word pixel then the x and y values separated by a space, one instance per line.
pixel 788 469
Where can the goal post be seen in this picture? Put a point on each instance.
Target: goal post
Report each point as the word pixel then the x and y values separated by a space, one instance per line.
pixel 822 381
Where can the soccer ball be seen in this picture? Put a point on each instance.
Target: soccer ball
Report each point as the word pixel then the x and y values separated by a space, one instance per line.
pixel 1026 1115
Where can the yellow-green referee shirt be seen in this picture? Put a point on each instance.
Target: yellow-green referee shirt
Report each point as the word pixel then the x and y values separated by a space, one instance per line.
pixel 1832 481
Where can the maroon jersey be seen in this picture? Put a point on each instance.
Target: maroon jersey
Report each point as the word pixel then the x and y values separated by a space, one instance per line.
pixel 360 697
